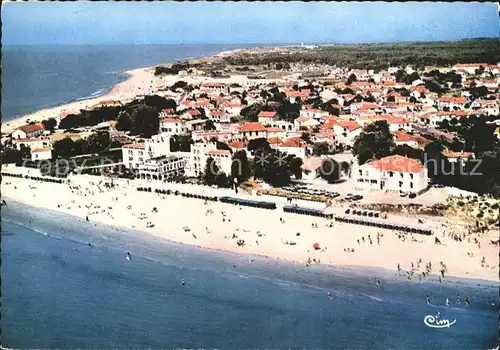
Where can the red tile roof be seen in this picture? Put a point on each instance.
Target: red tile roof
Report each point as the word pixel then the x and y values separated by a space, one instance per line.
pixel 30 128
pixel 274 140
pixel 219 152
pixel 215 84
pixel 170 120
pixel 450 154
pixel 349 124
pixel 397 163
pixel 237 144
pixel 294 142
pixel 256 126
pixel 264 114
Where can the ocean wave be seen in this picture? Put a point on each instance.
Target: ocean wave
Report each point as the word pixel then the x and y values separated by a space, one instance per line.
pixel 95 94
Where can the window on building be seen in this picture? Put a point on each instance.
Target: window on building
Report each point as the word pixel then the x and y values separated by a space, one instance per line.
pixel 391 174
pixel 401 174
pixel 411 184
pixel 373 181
pixel 360 172
pixel 411 176
pixel 400 183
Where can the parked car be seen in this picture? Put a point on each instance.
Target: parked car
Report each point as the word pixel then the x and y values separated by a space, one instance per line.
pixel 357 197
pixel 412 195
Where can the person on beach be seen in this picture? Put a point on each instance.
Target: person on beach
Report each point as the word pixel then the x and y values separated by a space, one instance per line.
pixel 467 301
pixel 447 303
pixel 128 257
pixel 329 295
pixel 183 283
pixel 428 300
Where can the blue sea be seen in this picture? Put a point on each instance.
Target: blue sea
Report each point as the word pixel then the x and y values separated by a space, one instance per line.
pixel 37 77
pixel 59 292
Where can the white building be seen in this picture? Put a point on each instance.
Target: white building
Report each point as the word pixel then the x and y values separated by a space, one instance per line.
pixel 251 131
pixel 32 143
pixel 28 131
pixel 216 87
pixel 394 174
pixel 173 126
pixel 133 155
pixel 266 118
pixel 157 145
pixel 41 153
pixel 161 168
pixel 220 117
pixel 222 158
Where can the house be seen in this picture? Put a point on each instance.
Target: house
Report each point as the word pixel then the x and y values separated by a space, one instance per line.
pixel 195 125
pixel 251 130
pixel 469 67
pixel 28 131
pixel 295 146
pixel 266 118
pixel 32 143
pixel 41 153
pixel 457 157
pixel 403 138
pixel 220 117
pixel 233 109
pixel 173 126
pixel 311 167
pixel 305 123
pixel 451 102
pixel 216 87
pixel 238 146
pixel 346 131
pixel 206 136
pixel 313 113
pixel 393 174
pixel 161 168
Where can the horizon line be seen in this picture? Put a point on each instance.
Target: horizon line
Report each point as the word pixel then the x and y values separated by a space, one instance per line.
pixel 297 43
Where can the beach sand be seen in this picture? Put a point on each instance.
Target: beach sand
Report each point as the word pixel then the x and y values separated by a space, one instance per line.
pixel 262 230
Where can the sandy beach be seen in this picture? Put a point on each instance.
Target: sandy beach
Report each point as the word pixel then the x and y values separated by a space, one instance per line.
pixel 219 226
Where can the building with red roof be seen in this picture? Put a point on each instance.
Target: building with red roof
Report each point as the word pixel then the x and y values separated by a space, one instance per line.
pixel 396 174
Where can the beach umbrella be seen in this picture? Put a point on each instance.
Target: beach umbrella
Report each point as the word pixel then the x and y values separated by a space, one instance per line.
pixel 316 245
pixel 186 228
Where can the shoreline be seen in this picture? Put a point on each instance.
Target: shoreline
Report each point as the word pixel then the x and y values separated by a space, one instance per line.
pixel 123 90
pixel 344 270
pixel 126 89
pixel 262 230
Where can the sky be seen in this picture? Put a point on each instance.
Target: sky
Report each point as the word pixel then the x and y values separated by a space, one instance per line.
pixel 29 23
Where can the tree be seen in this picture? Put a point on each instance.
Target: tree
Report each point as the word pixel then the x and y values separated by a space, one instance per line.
pixel 223 146
pixel 240 168
pixel 321 148
pixel 159 102
pixel 49 124
pixel 222 180
pixel 352 78
pixel 98 142
pixel 63 148
pixel 211 169
pixel 408 151
pixel 260 143
pixel 181 143
pixel 375 140
pixel 330 170
pixel 251 112
pixel 413 99
pixel 209 125
pixel 124 121
pixel 296 167
pixel 345 167
pixel 145 121
pixel 71 121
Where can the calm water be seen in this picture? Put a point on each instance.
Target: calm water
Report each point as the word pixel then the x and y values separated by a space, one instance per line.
pixel 57 292
pixel 35 77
